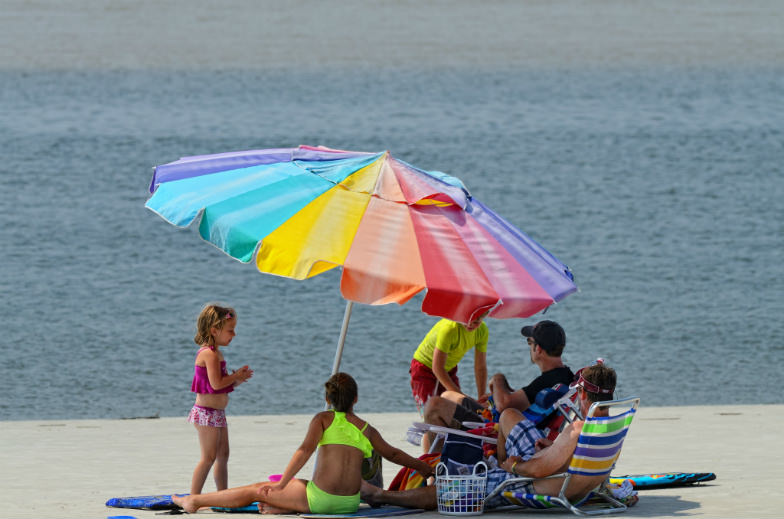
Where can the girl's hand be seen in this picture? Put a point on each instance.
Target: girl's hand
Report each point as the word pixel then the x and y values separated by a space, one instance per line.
pixel 243 374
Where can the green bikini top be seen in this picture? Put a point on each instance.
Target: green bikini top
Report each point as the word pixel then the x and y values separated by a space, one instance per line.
pixel 343 432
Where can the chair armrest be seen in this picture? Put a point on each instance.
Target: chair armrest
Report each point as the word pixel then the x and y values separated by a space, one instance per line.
pixel 516 481
pixel 447 430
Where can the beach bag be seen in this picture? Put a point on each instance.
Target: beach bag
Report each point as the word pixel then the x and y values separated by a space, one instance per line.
pixel 371 470
pixel 460 454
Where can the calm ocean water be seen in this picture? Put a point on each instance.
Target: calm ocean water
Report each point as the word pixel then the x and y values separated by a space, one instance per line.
pixel 661 187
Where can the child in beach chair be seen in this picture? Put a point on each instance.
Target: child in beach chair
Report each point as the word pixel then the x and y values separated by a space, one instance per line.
pixel 343 440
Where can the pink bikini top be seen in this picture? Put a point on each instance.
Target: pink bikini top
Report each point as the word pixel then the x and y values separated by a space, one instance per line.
pixel 201 382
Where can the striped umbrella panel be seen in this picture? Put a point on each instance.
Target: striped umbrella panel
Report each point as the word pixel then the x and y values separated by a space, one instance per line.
pixel 395 230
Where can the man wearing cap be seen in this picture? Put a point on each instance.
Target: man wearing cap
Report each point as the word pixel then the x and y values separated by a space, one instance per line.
pixel 546 341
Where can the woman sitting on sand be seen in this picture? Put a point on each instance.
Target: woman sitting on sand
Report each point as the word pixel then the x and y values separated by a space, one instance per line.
pixel 344 440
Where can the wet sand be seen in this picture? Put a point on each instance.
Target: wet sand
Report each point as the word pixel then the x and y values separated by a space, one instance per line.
pixel 69 469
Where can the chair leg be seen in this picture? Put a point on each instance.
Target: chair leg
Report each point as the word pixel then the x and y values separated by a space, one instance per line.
pixel 438 438
pixel 616 507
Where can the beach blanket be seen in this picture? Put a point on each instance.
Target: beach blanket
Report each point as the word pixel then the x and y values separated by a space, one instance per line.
pixel 157 502
pixel 407 478
pixel 364 511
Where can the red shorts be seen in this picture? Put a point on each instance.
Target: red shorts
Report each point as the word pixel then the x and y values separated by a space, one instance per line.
pixel 424 383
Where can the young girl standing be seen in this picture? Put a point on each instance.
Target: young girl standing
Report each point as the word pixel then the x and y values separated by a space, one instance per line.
pixel 212 385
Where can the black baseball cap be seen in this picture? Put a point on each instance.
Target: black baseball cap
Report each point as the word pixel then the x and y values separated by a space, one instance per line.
pixel 547 334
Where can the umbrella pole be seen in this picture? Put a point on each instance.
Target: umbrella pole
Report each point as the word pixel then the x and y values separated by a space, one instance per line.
pixel 342 339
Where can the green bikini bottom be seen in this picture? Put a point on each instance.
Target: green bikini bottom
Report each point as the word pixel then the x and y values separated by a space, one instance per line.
pixel 321 502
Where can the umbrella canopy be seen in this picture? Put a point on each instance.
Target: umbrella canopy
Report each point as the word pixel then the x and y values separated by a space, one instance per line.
pixel 394 229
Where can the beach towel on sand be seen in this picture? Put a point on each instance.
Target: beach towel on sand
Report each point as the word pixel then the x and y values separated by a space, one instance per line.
pixel 408 478
pixel 364 511
pixel 157 502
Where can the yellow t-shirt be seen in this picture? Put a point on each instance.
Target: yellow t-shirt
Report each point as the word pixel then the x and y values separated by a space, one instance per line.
pixel 453 339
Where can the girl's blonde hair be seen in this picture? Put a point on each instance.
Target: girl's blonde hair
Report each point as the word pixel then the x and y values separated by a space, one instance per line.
pixel 211 316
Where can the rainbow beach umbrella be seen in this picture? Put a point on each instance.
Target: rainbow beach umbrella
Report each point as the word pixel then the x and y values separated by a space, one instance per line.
pixel 394 229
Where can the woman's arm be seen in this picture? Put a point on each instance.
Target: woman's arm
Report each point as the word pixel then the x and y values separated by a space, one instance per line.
pixel 396 455
pixel 304 452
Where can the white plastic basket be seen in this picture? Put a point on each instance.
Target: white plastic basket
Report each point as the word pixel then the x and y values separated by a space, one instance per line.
pixel 461 495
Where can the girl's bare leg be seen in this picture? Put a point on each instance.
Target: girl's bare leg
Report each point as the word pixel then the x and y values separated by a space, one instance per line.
pixel 293 498
pixel 231 498
pixel 220 470
pixel 509 419
pixel 421 497
pixel 427 441
pixel 209 438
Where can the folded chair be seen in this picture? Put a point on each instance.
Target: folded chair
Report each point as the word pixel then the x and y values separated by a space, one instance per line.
pixel 598 447
pixel 416 430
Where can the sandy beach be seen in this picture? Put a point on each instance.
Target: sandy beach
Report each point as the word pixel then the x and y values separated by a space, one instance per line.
pixel 69 469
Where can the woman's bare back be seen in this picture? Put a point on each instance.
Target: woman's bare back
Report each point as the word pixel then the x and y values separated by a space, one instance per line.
pixel 339 467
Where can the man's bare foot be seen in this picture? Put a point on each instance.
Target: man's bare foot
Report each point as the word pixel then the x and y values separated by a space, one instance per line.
pixel 185 502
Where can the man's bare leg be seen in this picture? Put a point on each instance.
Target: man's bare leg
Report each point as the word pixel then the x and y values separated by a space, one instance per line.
pixel 465 408
pixel 438 411
pixel 441 411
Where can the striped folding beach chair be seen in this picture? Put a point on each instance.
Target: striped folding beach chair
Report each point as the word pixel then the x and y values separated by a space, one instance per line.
pixel 598 448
